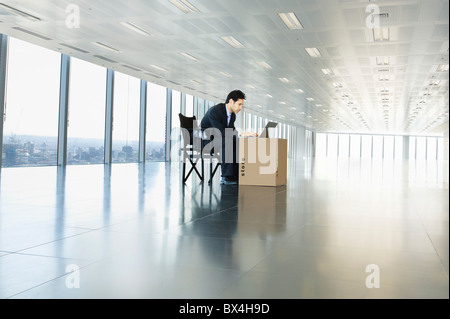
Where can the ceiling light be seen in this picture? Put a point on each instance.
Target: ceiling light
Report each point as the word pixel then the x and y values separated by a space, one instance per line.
pixel 251 87
pixel 269 96
pixel 327 72
pixel 282 103
pixel 314 52
pixel 225 74
pixel 383 60
pixel 337 85
pixel 19 12
pixel 106 47
pixel 136 28
pixel 435 82
pixel 189 56
pixel 310 99
pixel 319 105
pixel 196 82
pixel 233 42
pixel 290 20
pixel 259 106
pixel 383 77
pixel 158 68
pixel 264 65
pixel 442 68
pixel 299 91
pixel 284 80
pixel 184 6
pixel 384 90
pixel 380 34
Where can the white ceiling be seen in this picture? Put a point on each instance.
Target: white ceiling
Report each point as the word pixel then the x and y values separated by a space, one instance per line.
pixel 419 42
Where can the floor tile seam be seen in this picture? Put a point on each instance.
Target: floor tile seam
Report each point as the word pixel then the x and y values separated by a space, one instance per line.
pixel 55 241
pixel 395 231
pixel 46 282
pixel 371 248
pixel 432 242
pixel 374 228
pixel 312 275
pixel 50 257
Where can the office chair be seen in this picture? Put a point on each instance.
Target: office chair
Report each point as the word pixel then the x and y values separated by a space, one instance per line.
pixel 192 148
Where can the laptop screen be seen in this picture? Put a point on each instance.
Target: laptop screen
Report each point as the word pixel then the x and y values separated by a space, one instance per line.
pixel 265 132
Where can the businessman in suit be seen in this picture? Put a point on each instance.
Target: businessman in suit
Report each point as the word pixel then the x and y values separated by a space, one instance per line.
pixel 222 118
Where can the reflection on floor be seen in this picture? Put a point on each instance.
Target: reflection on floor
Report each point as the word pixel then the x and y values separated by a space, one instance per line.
pixel 339 229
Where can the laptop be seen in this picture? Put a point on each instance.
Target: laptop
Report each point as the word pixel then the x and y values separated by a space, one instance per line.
pixel 265 132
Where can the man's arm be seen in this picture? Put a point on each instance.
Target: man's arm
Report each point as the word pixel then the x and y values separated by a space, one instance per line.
pixel 248 134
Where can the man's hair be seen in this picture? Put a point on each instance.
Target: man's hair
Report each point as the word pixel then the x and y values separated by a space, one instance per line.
pixel 235 96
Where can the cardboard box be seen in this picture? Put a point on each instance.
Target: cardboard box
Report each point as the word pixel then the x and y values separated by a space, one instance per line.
pixel 262 161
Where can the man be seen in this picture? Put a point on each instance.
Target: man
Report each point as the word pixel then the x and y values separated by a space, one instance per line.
pixel 222 118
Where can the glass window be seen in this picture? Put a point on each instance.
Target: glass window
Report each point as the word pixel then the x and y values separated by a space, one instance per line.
pixel 176 107
pixel 175 136
pixel 378 147
pixel 126 119
pixel 87 100
pixel 399 147
pixel 332 145
pixel 321 145
pixel 388 147
pixel 421 145
pixel 32 105
pixel 156 123
pixel 255 124
pixel 200 109
pixel 366 151
pixel 440 148
pixel 355 146
pixel 189 105
pixel 344 147
pixel 412 147
pixel 431 148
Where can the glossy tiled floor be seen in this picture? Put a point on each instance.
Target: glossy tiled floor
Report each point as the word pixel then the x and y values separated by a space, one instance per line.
pixel 133 231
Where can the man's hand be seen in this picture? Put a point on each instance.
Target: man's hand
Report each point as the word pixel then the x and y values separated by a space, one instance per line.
pixel 249 134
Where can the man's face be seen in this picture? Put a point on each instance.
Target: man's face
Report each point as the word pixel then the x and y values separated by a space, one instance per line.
pixel 236 107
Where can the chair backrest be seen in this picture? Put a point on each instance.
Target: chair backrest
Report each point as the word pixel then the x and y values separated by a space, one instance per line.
pixel 188 123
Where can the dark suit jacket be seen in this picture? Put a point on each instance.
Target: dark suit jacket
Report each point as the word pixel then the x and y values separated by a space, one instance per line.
pixel 217 117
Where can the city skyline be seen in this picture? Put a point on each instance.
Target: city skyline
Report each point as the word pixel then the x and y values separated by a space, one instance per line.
pixel 29 150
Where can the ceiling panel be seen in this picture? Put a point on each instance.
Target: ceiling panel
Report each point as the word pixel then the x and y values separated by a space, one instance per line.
pixel 418 44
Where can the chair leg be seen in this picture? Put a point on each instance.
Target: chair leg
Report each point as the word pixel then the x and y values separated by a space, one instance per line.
pixel 210 172
pixel 213 173
pixel 184 172
pixel 203 170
